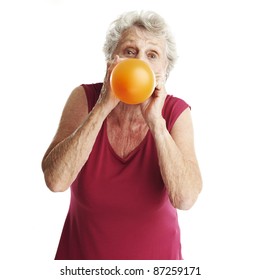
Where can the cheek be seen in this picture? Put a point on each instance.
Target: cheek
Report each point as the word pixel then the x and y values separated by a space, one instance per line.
pixel 161 70
pixel 160 73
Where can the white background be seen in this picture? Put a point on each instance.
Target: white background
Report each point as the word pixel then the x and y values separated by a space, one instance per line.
pixel 49 47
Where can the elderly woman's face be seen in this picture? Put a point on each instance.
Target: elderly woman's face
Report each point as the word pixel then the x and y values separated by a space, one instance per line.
pixel 139 43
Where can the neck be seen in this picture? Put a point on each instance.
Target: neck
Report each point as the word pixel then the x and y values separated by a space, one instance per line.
pixel 126 113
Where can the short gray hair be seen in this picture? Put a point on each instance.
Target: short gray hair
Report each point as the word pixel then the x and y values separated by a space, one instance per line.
pixel 148 20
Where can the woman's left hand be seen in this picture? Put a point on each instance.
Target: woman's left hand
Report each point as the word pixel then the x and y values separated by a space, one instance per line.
pixel 152 107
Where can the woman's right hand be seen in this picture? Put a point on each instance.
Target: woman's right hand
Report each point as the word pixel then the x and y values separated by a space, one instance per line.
pixel 107 97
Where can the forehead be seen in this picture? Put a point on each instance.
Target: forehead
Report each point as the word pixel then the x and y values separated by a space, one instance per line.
pixel 137 34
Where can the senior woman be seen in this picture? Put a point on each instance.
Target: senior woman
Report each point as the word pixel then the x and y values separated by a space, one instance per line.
pixel 129 167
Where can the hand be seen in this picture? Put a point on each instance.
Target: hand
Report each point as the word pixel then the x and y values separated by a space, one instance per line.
pixel 152 108
pixel 107 97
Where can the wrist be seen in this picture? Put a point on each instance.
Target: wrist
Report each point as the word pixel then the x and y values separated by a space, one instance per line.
pixel 107 104
pixel 158 127
pixel 101 110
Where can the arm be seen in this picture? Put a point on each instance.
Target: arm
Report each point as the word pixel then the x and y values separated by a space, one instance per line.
pixel 72 143
pixel 75 137
pixel 176 154
pixel 177 161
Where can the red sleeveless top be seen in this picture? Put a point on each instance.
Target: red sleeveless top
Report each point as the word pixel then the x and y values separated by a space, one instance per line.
pixel 119 207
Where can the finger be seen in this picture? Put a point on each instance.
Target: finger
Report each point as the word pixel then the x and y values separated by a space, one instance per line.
pixel 159 85
pixel 116 59
pixel 160 81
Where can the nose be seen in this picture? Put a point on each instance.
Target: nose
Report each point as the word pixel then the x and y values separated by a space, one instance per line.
pixel 141 56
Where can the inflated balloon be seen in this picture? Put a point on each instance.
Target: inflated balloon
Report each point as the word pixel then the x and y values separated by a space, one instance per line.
pixel 132 80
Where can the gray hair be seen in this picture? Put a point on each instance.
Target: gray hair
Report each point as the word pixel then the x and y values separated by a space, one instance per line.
pixel 148 20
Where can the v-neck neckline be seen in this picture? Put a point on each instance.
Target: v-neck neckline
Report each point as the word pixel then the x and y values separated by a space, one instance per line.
pixel 132 153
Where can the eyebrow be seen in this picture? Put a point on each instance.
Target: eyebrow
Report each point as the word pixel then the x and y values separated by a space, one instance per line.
pixel 127 42
pixel 132 42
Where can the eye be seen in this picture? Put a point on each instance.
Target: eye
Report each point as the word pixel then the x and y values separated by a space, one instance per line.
pixel 130 52
pixel 152 55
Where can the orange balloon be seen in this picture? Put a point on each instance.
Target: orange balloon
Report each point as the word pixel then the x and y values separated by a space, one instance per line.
pixel 132 80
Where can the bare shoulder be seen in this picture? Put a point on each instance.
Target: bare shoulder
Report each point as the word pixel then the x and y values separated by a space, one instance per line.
pixel 74 113
pixel 183 134
pixel 75 110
